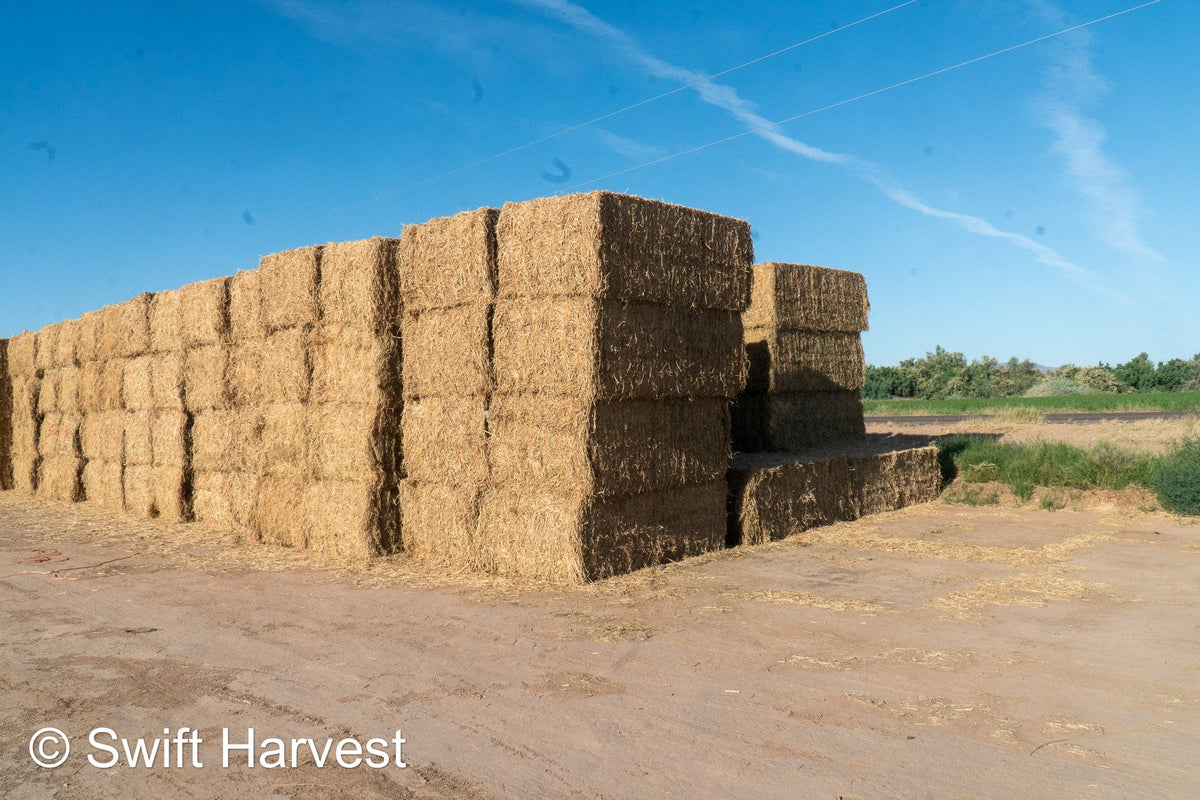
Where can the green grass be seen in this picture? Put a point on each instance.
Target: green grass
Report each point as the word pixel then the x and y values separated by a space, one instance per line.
pixel 1173 401
pixel 1175 478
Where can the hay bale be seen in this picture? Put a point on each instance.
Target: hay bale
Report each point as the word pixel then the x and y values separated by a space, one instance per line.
pixel 102 437
pixel 139 440
pixel 59 436
pixel 205 384
pixel 166 322
pixel 225 499
pixel 276 517
pixel 166 380
pixel 66 345
pixel 349 443
pixel 439 522
pixel 47 397
pixel 782 422
pixel 104 483
pixel 112 384
pixel 792 361
pixel 893 480
pixel 70 389
pixel 773 497
pixel 89 327
pixel 284 371
pixel 60 478
pixel 445 439
pixel 349 518
pixel 170 438
pixel 124 330
pixel 25 428
pixel 46 347
pixel 447 351
pixel 353 368
pixel 449 261
pixel 246 320
pixel 90 377
pixel 227 441
pixel 204 317
pixel 360 285
pixel 171 490
pixel 801 296
pixel 288 288
pixel 137 384
pixel 569 539
pixel 605 245
pixel 25 465
pixel 22 355
pixel 6 418
pixel 569 445
pixel 615 350
pixel 286 446
pixel 139 491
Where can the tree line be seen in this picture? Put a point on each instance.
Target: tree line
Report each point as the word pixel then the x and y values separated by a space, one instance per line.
pixel 942 374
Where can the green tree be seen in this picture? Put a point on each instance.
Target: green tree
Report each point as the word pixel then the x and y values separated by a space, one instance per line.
pixel 883 383
pixel 1137 372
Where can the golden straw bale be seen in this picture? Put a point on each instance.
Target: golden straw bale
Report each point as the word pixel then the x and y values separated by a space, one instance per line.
pixel 170 438
pixel 286 445
pixel 439 522
pixel 139 491
pixel 204 378
pixel 102 436
pixel 773 497
pixel 563 444
pixel 90 376
pixel 204 308
pixel 112 380
pixel 243 372
pixel 139 442
pixel 47 397
pixel 70 390
pixel 59 478
pixel 349 518
pixel 225 499
pixel 445 439
pixel 348 444
pixel 66 344
pixel 277 515
pixel 6 418
pixel 22 355
pixel 360 285
pixel 166 322
pixel 801 296
pixel 783 422
pixel 59 435
pixel 46 347
pixel 447 351
pixel 285 374
pixel 169 486
pixel 288 287
pixel 227 441
pixel 246 306
pixel 572 538
pixel 888 481
pixel 25 464
pixel 125 329
pixel 104 483
pixel 449 261
pixel 89 328
pixel 137 385
pixel 166 380
pixel 355 368
pixel 616 350
pixel 613 246
pixel 791 361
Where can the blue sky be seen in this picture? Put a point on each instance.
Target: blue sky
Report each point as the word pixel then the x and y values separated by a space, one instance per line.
pixel 1039 203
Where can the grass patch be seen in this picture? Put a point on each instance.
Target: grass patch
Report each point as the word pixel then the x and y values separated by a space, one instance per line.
pixel 974 496
pixel 1032 407
pixel 1175 478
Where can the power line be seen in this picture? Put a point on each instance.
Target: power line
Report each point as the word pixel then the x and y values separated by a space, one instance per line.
pixel 863 96
pixel 638 104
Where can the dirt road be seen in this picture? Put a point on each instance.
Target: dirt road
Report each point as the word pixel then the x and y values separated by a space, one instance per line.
pixel 941 651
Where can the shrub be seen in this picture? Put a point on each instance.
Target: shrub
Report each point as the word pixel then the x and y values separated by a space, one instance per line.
pixel 1176 478
pixel 1058 387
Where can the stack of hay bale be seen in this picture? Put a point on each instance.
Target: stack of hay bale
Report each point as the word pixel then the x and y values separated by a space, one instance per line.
pixel 6 415
pixel 59 444
pixel 617 349
pixel 296 429
pixel 804 461
pixel 803 339
pixel 25 386
pixel 447 282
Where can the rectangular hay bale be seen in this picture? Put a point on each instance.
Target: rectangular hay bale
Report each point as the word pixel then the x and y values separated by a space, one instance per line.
pixel 139 439
pixel 139 491
pixel 349 518
pixel 445 439
pixel 66 346
pixel 46 348
pixel 225 499
pixel 783 422
pixel 439 522
pixel 124 330
pixel 352 368
pixel 137 384
pixel 47 396
pixel 563 444
pixel 286 446
pixel 166 322
pixel 166 381
pixel 70 390
pixel 104 484
pixel 60 478
pixel 352 443
pixel 613 246
pixel 615 350
pixel 227 441
pixel 170 438
pixel 102 436
pixel 22 355
pixel 59 436
pixel 6 418
pixel 801 296
pixel 246 320
pixel 277 516
pixel 894 480
pixel 288 288
pixel 205 378
pixel 112 385
pixel 204 316
pixel 449 261
pixel 773 497
pixel 360 285
pixel 89 328
pixel 447 351
pixel 791 361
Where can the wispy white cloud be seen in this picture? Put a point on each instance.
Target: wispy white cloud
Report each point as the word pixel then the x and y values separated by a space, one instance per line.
pixel 627 147
pixel 727 98
pixel 1072 84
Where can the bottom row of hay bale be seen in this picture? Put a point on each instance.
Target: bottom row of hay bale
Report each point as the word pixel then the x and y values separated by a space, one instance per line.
pixel 776 495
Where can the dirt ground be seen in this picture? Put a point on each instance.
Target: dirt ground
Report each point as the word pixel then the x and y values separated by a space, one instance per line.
pixel 943 651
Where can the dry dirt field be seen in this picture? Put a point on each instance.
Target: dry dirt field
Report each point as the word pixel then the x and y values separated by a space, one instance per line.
pixel 943 651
